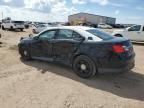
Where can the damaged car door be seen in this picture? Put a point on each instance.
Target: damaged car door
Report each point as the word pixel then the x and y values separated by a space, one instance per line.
pixel 42 47
pixel 66 44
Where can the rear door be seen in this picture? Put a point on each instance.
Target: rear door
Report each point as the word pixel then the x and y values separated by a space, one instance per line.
pixel 66 43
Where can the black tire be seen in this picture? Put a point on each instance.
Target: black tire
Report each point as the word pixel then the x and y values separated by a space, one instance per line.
pixel 84 67
pixel 118 35
pixel 21 29
pixel 3 28
pixel 25 54
pixel 11 28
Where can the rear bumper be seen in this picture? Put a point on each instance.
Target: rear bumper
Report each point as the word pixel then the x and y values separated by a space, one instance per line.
pixel 119 66
pixel 117 70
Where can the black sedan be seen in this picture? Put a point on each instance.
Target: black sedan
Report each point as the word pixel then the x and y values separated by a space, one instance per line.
pixel 87 50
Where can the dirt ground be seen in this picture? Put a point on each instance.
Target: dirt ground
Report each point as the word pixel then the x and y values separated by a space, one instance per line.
pixel 37 84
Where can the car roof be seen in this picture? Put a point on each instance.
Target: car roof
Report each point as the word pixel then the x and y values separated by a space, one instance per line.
pixel 82 30
pixel 71 27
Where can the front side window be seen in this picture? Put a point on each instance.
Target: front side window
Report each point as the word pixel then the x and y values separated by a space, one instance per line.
pixel 135 28
pixel 47 35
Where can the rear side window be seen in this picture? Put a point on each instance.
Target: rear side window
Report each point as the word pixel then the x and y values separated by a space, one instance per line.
pixel 65 34
pixel 76 35
pixel 100 34
pixel 68 34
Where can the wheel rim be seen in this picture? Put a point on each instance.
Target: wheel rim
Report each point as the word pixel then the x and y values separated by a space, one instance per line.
pixel 83 67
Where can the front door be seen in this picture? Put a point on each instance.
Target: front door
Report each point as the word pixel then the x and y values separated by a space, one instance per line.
pixel 66 44
pixel 42 47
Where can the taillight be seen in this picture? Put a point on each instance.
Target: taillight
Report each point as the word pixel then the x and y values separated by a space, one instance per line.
pixel 118 48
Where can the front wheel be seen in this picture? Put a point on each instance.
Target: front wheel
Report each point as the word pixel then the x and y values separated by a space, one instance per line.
pixel 25 54
pixel 11 28
pixel 84 67
pixel 21 29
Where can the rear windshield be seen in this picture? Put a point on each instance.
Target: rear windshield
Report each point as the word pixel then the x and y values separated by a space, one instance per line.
pixel 100 34
pixel 17 21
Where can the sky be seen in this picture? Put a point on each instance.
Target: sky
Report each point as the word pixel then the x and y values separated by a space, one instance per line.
pixel 125 11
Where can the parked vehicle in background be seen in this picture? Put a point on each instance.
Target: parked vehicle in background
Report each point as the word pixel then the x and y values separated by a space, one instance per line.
pixel 12 25
pixel 26 25
pixel 94 25
pixel 0 24
pixel 86 49
pixel 117 26
pixel 135 33
pixel 104 26
pixel 38 28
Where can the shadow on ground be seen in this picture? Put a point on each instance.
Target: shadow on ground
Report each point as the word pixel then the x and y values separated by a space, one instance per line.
pixel 16 30
pixel 127 85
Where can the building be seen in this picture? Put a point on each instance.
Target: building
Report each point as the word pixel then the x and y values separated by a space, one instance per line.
pixel 81 18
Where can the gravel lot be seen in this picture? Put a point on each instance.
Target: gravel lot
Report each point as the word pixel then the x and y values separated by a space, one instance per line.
pixel 38 84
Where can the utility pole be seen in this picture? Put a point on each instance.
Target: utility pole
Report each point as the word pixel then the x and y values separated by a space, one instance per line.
pixel 2 15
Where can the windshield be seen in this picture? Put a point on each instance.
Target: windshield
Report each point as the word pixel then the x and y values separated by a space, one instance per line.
pixel 100 34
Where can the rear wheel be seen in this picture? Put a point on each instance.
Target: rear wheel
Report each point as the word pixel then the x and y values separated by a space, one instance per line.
pixel 25 54
pixel 84 67
pixel 3 28
pixel 11 28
